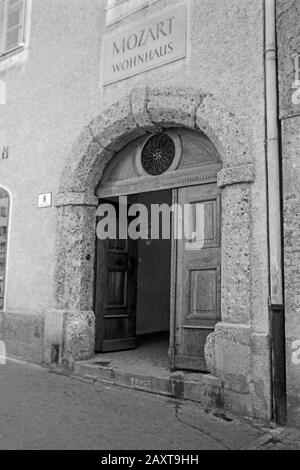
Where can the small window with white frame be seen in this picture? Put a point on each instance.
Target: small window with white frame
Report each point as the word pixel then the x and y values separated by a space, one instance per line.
pixel 118 9
pixel 13 30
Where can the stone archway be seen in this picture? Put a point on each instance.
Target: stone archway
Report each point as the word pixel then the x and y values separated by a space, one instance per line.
pixel 149 110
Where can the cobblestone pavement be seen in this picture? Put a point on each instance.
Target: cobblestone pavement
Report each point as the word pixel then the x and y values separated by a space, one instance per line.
pixel 42 410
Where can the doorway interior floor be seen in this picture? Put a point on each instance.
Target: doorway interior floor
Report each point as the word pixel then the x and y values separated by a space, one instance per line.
pixel 147 368
pixel 150 357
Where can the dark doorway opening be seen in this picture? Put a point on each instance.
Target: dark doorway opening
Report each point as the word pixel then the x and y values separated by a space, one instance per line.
pixel 133 284
pixel 154 268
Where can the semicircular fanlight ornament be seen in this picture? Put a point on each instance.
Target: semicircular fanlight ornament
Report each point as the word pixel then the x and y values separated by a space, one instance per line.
pixel 158 154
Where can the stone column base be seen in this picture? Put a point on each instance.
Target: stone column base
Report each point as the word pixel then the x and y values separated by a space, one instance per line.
pixel 69 337
pixel 241 359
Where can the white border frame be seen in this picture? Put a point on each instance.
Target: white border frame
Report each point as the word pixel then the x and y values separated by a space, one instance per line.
pixel 7 244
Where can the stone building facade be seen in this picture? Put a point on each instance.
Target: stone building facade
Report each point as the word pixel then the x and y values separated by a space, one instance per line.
pixel 289 114
pixel 67 120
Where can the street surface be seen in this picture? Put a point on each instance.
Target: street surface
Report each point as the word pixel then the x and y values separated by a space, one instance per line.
pixel 42 410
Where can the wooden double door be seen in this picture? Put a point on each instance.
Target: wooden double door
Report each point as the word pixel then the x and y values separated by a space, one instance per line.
pixel 195 277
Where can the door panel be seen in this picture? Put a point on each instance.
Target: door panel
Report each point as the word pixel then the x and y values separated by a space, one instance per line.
pixel 203 293
pixel 115 307
pixel 198 282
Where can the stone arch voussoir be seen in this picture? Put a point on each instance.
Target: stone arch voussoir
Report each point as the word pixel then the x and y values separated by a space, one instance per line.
pixel 149 110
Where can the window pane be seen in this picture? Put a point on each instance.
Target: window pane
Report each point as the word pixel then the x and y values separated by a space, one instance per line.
pixel 14 25
pixel 13 39
pixel 4 210
pixel 14 18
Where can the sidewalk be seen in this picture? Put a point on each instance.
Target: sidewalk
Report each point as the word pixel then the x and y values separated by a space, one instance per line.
pixel 277 439
pixel 42 410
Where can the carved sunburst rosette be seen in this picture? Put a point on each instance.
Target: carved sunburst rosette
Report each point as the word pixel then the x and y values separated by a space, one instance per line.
pixel 159 154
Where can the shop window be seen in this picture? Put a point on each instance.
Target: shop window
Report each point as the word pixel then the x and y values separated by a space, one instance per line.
pixel 4 211
pixel 13 25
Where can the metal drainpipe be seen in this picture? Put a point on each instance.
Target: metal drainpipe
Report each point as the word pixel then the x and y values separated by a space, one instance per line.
pixel 275 225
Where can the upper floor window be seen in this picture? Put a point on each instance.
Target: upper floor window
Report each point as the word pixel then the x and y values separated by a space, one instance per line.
pixel 12 25
pixel 117 9
pixel 4 210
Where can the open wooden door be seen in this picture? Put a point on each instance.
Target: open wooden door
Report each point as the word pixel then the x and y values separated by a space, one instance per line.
pixel 198 279
pixel 115 303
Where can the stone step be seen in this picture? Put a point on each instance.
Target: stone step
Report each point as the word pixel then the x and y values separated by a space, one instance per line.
pixel 202 388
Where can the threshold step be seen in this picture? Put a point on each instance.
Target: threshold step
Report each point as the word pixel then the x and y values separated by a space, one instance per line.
pixel 202 388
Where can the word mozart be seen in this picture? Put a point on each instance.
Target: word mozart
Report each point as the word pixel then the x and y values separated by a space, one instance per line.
pixel 144 36
pixel 155 43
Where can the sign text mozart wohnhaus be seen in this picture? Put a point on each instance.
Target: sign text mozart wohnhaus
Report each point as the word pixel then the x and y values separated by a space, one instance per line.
pixel 144 46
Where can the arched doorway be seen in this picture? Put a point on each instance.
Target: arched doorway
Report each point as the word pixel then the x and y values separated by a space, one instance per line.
pixel 161 283
pixel 239 334
pixel 152 110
